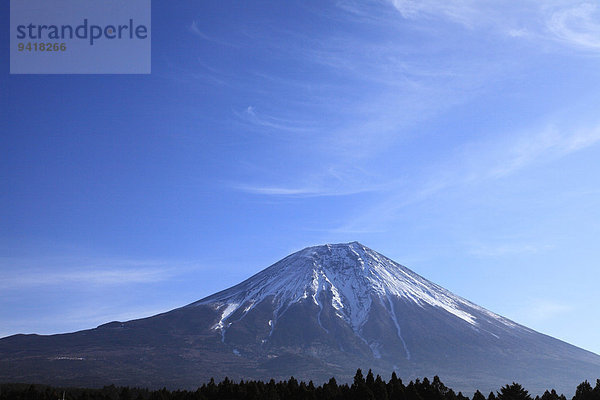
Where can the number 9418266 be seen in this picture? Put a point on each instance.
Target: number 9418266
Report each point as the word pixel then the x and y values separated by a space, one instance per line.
pixel 41 46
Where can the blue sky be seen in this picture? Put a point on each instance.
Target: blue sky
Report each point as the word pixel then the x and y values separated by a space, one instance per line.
pixel 459 138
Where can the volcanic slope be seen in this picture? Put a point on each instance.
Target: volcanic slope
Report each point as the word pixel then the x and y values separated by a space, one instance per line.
pixel 323 311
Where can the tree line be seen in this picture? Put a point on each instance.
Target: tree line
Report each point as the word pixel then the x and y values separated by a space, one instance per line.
pixel 362 388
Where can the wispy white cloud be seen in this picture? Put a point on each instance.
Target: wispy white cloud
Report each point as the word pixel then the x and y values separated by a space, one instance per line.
pixel 398 93
pixel 578 25
pixel 22 273
pixel 542 310
pixel 506 249
pixel 300 191
pixel 477 163
pixel 572 23
pixel 67 293
pixel 278 191
pixel 329 182
pixel 252 117
pixel 94 277
pixel 473 163
pixel 466 12
pixel 195 29
pixel 505 154
pixel 511 153
pixel 402 85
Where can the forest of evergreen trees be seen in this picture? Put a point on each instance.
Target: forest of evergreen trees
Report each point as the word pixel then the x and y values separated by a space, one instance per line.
pixel 363 388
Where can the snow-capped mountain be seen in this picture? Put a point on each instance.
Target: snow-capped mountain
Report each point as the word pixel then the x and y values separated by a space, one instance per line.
pixel 323 311
pixel 348 278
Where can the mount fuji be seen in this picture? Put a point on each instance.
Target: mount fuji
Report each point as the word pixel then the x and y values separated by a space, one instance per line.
pixel 323 311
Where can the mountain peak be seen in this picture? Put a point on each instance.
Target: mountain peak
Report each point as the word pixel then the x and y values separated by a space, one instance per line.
pixel 349 278
pixel 334 246
pixel 320 312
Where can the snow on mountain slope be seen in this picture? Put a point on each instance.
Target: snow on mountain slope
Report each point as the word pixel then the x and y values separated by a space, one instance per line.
pixel 349 277
pixel 321 312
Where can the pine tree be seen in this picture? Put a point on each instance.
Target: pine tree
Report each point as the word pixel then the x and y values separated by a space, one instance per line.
pixel 584 391
pixel 596 391
pixel 330 390
pixel 550 395
pixel 478 396
pixel 360 390
pixel 438 386
pixel 370 381
pixel 513 392
pixel 395 388
pixel 358 378
pixel 379 389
